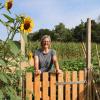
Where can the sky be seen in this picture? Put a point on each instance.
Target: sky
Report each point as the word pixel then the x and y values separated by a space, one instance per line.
pixel 48 13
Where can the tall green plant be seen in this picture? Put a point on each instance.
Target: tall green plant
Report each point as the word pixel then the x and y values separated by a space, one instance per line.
pixel 10 57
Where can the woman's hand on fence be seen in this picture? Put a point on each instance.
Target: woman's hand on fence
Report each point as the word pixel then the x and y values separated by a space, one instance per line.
pixel 37 72
pixel 58 71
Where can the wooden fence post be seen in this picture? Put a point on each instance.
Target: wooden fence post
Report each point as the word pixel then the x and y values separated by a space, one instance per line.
pixel 88 58
pixel 81 86
pixel 52 87
pixel 60 87
pixel 37 83
pixel 67 86
pixel 74 86
pixel 29 86
pixel 45 85
pixel 22 43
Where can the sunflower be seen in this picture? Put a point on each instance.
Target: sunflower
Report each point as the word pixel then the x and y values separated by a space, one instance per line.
pixel 8 4
pixel 27 25
pixel 30 55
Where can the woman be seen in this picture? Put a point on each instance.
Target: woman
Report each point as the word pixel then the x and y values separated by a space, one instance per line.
pixel 45 57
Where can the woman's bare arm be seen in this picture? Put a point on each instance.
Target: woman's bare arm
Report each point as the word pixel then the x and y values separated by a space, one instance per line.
pixel 36 65
pixel 36 62
pixel 55 61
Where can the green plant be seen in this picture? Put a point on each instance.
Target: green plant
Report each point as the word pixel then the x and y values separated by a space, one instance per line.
pixel 10 57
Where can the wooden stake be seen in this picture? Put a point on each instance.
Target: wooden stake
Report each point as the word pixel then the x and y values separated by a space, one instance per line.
pixel 21 66
pixel 22 45
pixel 88 44
pixel 88 57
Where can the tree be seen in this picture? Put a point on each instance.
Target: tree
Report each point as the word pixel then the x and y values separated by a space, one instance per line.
pixel 63 33
pixel 37 35
pixel 95 31
pixel 77 34
pixel 80 32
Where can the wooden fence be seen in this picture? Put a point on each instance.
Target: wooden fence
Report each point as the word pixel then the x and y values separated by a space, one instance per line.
pixel 50 86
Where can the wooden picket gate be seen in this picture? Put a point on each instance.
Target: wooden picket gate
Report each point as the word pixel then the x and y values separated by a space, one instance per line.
pixel 50 86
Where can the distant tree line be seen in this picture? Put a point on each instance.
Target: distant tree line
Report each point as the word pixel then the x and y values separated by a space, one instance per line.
pixel 63 34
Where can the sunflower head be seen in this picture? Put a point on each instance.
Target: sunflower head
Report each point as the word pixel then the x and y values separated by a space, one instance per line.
pixel 8 4
pixel 30 55
pixel 27 25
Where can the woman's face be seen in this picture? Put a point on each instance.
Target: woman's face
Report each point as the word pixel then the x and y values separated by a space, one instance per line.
pixel 46 43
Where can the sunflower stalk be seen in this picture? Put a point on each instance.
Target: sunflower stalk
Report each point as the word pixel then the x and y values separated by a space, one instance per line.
pixel 14 32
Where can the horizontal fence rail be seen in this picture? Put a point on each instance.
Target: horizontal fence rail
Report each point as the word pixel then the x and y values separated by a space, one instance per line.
pixel 52 86
pixel 64 83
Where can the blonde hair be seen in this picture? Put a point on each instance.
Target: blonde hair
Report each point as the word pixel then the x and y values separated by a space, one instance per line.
pixel 45 36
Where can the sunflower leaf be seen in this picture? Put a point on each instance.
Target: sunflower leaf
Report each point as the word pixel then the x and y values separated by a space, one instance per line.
pixel 2 62
pixel 1 95
pixel 4 23
pixel 3 78
pixel 13 47
pixel 8 17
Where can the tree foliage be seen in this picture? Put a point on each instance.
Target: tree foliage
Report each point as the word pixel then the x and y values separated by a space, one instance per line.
pixel 77 34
